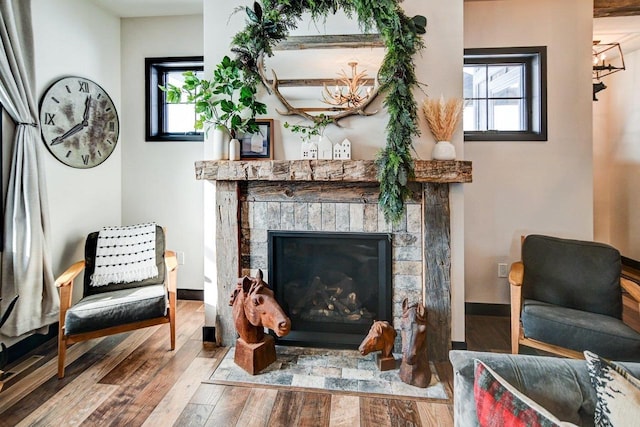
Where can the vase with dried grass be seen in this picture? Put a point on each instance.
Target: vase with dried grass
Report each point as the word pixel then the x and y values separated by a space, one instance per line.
pixel 443 118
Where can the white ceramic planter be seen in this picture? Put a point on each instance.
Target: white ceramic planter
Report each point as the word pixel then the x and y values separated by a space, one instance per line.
pixel 443 150
pixel 234 149
pixel 221 140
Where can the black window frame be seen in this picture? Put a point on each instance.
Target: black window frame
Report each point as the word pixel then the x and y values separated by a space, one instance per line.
pixel 2 188
pixel 155 99
pixel 534 60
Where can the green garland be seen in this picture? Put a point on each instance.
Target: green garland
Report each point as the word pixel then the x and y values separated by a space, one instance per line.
pixel 269 22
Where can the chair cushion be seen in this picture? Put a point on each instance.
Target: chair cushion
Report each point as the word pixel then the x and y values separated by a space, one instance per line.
pixel 116 308
pixel 580 330
pixel 572 273
pixel 90 262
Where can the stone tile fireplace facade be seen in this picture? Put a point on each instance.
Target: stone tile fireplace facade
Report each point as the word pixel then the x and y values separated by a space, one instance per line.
pixel 333 207
pixel 254 197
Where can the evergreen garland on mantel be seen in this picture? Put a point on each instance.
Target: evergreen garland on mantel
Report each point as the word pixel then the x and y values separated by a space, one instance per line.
pixel 269 22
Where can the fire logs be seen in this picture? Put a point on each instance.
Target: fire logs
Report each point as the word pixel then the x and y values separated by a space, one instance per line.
pixel 330 299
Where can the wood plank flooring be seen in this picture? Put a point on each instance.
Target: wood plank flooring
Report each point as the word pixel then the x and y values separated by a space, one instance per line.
pixel 133 379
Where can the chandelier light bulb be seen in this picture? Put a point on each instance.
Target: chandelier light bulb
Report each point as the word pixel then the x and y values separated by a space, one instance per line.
pixel 349 89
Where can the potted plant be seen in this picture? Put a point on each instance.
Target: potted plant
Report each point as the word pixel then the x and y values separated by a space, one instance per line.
pixel 307 132
pixel 226 102
pixel 443 118
pixel 324 146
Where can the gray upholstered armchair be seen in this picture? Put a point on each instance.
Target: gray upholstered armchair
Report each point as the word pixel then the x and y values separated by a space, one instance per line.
pixel 566 297
pixel 116 307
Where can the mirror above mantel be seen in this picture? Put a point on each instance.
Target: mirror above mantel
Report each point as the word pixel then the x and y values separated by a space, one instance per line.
pixel 325 75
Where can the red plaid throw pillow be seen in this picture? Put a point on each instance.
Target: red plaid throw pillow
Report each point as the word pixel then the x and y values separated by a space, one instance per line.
pixel 499 404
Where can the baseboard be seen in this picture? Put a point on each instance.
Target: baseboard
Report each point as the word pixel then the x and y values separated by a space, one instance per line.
pixel 630 262
pixel 482 309
pixel 209 334
pixel 190 294
pixel 458 345
pixel 30 343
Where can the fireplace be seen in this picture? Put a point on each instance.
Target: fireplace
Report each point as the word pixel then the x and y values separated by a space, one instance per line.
pixel 332 285
pixel 250 198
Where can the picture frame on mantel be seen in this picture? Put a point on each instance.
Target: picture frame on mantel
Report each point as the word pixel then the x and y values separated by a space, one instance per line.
pixel 258 146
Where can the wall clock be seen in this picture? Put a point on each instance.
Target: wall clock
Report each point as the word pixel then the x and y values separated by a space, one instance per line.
pixel 79 122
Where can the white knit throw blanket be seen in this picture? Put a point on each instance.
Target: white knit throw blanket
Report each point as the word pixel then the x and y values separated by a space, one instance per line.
pixel 125 254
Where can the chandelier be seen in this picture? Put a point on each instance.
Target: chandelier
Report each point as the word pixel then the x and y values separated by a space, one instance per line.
pixel 603 55
pixel 350 92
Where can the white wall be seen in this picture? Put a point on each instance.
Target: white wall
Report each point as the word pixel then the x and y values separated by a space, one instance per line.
pixel 158 178
pixel 531 187
pixel 75 37
pixel 435 66
pixel 617 159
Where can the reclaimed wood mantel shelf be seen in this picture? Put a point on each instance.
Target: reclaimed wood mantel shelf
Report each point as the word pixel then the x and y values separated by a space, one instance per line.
pixel 450 171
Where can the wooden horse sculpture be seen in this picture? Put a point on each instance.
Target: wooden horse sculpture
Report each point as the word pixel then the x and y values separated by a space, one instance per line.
pixel 254 308
pixel 414 368
pixel 381 336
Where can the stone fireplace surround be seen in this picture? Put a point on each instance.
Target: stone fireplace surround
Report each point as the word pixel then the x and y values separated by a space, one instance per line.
pixel 253 197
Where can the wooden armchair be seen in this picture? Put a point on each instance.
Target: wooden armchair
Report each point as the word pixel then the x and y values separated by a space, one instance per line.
pixel 116 307
pixel 566 297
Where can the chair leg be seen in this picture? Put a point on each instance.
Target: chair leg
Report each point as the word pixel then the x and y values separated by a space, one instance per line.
pixel 515 339
pixel 62 352
pixel 172 328
pixel 516 300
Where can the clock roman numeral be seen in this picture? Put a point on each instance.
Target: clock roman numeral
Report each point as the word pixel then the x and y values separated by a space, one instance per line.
pixel 48 119
pixel 84 86
pixel 85 159
pixel 112 126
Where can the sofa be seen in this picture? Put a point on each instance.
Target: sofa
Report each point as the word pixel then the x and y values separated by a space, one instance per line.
pixel 561 386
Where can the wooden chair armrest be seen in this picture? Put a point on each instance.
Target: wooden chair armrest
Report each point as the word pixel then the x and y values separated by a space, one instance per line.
pixel 171 260
pixel 516 274
pixel 66 278
pixel 65 285
pixel 631 287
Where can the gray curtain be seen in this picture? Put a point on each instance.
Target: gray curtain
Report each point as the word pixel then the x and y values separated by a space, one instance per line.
pixel 26 260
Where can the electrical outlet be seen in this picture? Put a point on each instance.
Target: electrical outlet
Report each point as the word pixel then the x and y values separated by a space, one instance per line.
pixel 180 256
pixel 503 270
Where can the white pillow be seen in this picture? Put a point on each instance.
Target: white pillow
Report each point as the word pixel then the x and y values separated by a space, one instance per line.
pixel 617 390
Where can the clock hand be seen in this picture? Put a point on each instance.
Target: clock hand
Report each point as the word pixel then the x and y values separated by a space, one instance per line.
pixel 85 115
pixel 77 128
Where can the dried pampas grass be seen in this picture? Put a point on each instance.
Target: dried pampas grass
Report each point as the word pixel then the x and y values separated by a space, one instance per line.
pixel 442 116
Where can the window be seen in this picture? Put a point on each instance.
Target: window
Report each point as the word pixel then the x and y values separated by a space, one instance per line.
pixel 170 122
pixel 505 94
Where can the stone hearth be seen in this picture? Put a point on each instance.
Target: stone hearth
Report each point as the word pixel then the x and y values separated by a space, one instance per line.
pixel 253 197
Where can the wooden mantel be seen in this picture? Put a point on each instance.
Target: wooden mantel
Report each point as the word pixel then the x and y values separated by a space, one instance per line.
pixel 450 171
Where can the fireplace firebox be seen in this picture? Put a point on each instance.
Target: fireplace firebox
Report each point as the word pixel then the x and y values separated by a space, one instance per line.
pixel 332 285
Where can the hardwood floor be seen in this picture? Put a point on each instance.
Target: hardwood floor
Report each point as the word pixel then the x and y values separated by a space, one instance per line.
pixel 133 379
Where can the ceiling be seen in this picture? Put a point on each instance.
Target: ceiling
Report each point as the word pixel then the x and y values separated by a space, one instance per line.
pixel 140 8
pixel 608 8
